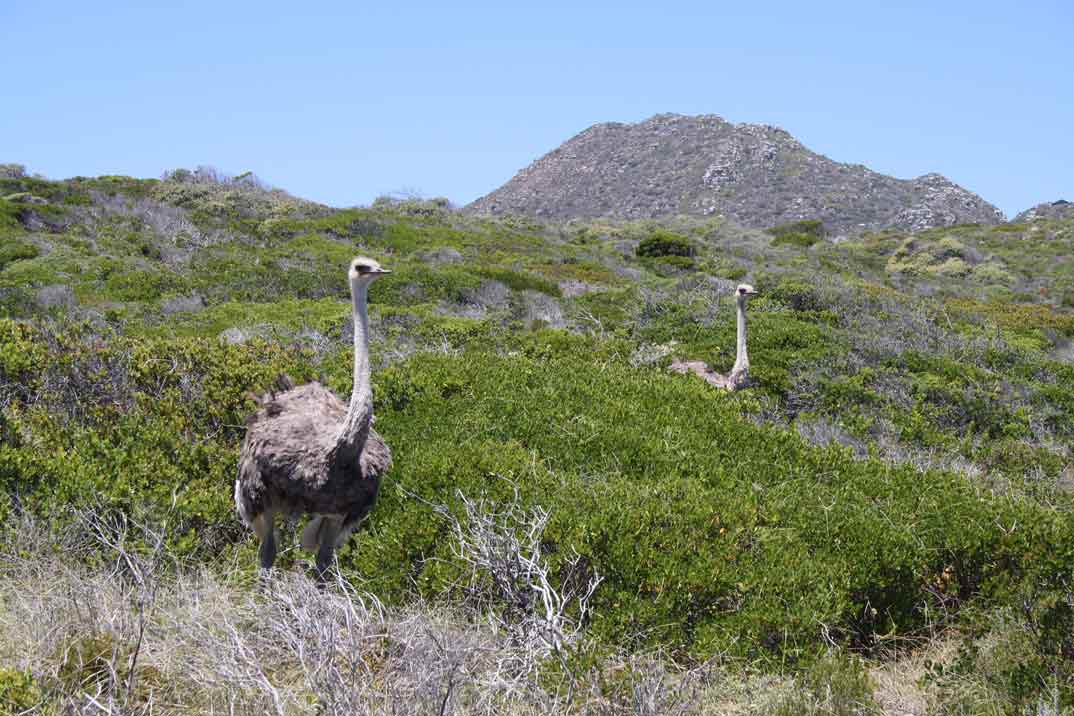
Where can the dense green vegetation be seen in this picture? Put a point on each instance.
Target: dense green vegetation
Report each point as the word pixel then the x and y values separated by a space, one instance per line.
pixel 902 459
pixel 803 233
pixel 665 243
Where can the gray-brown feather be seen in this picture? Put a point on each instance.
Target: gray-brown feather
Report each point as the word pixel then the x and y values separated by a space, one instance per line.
pixel 732 381
pixel 289 463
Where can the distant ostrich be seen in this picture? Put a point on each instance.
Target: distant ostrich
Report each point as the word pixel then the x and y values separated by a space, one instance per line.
pixel 739 377
pixel 306 452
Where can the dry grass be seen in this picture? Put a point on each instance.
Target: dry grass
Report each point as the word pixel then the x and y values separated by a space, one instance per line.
pixel 133 635
pixel 107 624
pixel 899 690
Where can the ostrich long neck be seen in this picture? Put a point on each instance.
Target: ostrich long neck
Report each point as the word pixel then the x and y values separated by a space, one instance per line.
pixel 742 361
pixel 355 428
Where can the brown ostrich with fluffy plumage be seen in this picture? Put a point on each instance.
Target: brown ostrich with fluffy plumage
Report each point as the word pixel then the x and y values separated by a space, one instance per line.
pixel 307 452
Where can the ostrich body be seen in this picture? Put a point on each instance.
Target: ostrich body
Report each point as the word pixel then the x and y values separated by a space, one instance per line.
pixel 308 452
pixel 739 377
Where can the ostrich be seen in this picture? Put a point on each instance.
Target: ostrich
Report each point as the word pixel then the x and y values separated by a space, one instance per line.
pixel 739 377
pixel 306 452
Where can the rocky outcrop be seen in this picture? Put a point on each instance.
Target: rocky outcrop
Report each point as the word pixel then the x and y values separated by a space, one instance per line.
pixel 1061 209
pixel 756 175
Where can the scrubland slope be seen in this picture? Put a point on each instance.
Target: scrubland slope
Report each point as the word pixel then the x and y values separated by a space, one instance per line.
pixel 898 475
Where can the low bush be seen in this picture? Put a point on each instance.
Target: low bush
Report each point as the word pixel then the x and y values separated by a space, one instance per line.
pixel 796 294
pixel 521 281
pixel 1013 662
pixel 992 273
pixel 9 216
pixel 14 250
pixel 725 533
pixel 725 268
pixel 676 263
pixel 665 243
pixel 19 693
pixel 798 233
pixel 751 503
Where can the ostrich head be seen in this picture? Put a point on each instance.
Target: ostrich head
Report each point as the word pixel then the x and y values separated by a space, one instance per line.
pixel 744 292
pixel 365 270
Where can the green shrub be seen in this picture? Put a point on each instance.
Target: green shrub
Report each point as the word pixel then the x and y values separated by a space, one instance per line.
pixel 948 247
pixel 665 243
pixel 678 262
pixel 1015 662
pixel 19 693
pixel 725 268
pixel 141 285
pixel 9 216
pixel 951 267
pixel 12 250
pixel 799 233
pixel 21 352
pixel 992 273
pixel 91 660
pixel 700 547
pixel 795 294
pixel 521 281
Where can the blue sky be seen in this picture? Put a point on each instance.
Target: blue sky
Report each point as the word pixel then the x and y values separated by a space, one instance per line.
pixel 344 101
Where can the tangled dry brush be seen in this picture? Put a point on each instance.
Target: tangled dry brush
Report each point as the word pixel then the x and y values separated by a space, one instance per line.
pixel 105 622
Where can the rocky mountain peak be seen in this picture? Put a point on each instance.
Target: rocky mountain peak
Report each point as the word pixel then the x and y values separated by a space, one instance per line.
pixel 755 174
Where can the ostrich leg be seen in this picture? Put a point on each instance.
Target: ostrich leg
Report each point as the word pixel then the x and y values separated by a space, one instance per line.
pixel 264 528
pixel 328 534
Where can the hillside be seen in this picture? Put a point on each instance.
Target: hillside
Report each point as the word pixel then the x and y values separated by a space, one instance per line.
pixel 1060 209
pixel 756 175
pixel 890 497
